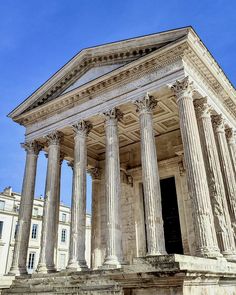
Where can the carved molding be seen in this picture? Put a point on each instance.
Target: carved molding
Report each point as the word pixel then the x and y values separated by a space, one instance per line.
pixel 147 104
pixel 202 107
pixel 32 147
pixel 82 128
pixel 54 138
pixel 113 114
pixel 130 73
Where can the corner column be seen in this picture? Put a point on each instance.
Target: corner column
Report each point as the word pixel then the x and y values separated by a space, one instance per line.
pixel 18 266
pixel 224 231
pixel 78 208
pixel 48 235
pixel 195 172
pixel 151 179
pixel 114 255
pixel 96 255
pixel 226 167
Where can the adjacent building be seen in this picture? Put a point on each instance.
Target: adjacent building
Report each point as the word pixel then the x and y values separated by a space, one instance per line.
pixel 9 211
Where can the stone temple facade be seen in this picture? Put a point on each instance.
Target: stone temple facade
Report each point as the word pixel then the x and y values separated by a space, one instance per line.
pixel 153 120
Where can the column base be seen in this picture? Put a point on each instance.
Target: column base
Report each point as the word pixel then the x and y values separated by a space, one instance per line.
pixel 111 262
pixel 43 268
pixel 77 266
pixel 156 253
pixel 230 256
pixel 17 271
pixel 209 253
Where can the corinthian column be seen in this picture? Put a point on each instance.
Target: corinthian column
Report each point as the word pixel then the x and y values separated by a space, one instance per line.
pixel 230 135
pixel 18 266
pixel 226 167
pixel 114 255
pixel 195 172
pixel 48 235
pixel 78 207
pixel 96 255
pixel 222 221
pixel 151 180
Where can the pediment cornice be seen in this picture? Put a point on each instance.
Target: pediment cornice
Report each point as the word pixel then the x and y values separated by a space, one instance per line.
pixel 189 48
pixel 107 54
pixel 132 71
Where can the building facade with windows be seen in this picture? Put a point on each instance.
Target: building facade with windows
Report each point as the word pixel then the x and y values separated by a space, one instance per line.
pixel 9 210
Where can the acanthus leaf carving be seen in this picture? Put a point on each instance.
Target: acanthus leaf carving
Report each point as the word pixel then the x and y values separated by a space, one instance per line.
pixel 147 104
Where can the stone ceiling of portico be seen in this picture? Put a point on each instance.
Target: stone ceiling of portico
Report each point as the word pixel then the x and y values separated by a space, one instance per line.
pixel 165 119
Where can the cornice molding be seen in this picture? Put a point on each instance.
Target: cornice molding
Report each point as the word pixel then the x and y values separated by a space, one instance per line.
pixel 127 73
pixel 198 59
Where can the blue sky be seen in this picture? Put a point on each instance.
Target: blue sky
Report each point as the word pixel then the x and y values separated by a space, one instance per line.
pixel 38 37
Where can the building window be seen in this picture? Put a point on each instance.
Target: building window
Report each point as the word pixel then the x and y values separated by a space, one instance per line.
pixel 63 217
pixel 34 231
pixel 63 235
pixel 16 229
pixel 62 261
pixel 2 205
pixel 1 228
pixel 35 212
pixel 31 260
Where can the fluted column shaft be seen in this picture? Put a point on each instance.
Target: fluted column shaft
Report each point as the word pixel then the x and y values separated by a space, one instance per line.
pixel 151 181
pixel 114 254
pixel 222 221
pixel 226 167
pixel 195 172
pixel 58 209
pixel 48 235
pixel 96 255
pixel 24 220
pixel 78 210
pixel 230 135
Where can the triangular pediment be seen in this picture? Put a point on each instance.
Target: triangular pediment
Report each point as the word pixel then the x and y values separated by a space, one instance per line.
pixel 91 63
pixel 92 74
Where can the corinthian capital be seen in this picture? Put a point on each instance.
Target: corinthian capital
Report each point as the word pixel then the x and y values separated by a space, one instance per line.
pixel 54 138
pixel 183 88
pixel 218 123
pixel 230 135
pixel 147 104
pixel 32 147
pixel 82 128
pixel 113 113
pixel 202 108
pixel 95 173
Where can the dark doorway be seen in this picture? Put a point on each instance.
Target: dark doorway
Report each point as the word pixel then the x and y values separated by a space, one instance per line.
pixel 170 216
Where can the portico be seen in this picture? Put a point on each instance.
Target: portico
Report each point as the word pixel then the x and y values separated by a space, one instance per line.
pixel 133 113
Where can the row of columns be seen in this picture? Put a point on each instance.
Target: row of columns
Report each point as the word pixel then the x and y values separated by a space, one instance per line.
pixel 210 175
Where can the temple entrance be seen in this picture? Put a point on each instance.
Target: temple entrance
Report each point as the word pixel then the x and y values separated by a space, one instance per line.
pixel 170 216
